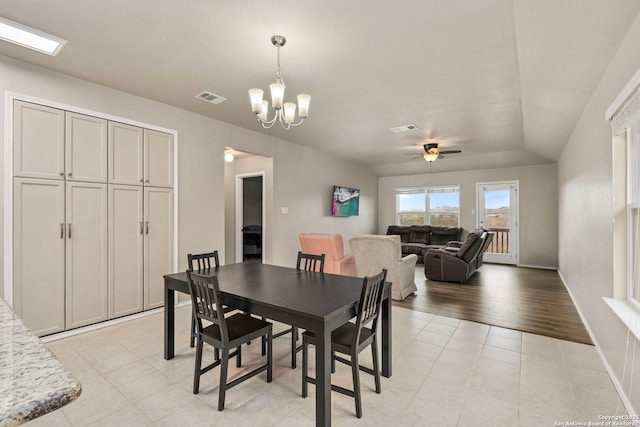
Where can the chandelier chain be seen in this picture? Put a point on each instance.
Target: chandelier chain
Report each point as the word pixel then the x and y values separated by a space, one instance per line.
pixel 279 73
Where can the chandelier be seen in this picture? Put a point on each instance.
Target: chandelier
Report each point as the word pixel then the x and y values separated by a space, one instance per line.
pixel 284 111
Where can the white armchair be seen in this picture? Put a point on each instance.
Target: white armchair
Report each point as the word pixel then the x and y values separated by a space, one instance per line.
pixel 373 253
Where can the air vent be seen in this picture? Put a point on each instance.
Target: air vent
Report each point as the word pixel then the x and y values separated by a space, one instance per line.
pixel 405 128
pixel 211 97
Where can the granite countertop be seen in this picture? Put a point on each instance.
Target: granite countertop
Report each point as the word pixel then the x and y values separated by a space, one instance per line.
pixel 32 380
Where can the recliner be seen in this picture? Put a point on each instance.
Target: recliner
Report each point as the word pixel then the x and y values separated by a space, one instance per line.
pixel 457 264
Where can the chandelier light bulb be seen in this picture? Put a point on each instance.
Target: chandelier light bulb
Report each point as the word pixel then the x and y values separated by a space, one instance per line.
pixel 285 112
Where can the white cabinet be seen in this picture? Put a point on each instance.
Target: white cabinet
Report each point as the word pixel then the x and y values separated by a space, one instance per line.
pixel 93 217
pixel 60 248
pixel 158 243
pixel 126 225
pixel 86 253
pixel 158 159
pixel 54 144
pixel 85 148
pixel 140 156
pixel 38 135
pixel 39 254
pixel 126 145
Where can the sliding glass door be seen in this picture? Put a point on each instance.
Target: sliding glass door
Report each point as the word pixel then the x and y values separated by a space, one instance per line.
pixel 498 211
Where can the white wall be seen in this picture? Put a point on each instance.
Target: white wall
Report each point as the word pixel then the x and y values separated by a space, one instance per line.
pixel 538 205
pixel 585 217
pixel 303 180
pixel 300 175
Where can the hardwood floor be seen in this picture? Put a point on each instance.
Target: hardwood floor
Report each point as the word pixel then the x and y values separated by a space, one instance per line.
pixel 525 299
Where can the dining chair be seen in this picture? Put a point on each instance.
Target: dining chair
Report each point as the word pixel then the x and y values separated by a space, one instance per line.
pixel 224 334
pixel 351 339
pixel 305 262
pixel 202 262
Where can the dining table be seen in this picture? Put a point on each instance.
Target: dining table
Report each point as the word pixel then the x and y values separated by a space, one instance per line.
pixel 317 302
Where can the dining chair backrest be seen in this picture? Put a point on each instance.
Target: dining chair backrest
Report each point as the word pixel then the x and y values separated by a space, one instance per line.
pixel 310 262
pixel 370 303
pixel 206 302
pixel 203 261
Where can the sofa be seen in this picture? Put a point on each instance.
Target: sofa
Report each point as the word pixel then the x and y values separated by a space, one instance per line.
pixel 417 239
pixel 457 261
pixel 372 253
pixel 332 246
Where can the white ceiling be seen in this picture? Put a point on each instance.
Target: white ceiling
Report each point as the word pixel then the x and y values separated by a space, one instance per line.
pixel 503 80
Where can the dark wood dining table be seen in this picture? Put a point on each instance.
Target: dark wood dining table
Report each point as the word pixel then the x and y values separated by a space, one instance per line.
pixel 317 302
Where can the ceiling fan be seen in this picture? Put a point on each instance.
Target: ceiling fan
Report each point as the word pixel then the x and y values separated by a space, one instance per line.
pixel 431 152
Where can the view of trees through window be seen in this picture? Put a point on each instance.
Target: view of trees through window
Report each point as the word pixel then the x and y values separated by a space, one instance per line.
pixel 434 206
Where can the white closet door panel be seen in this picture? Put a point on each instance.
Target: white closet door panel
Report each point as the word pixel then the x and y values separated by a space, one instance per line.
pixel 38 148
pixel 126 144
pixel 158 153
pixel 158 211
pixel 39 253
pixel 125 250
pixel 86 284
pixel 86 148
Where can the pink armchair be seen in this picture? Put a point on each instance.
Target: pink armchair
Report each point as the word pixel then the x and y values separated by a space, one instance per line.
pixel 332 246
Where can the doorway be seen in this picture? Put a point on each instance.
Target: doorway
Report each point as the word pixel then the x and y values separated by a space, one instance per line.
pixel 250 218
pixel 498 211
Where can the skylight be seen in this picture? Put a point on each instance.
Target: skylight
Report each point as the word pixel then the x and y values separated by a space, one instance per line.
pixel 30 37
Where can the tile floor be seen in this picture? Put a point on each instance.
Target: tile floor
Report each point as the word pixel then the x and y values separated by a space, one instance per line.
pixel 446 372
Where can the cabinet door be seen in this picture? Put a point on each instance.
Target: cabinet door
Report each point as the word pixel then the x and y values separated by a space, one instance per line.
pixel 126 145
pixel 38 254
pixel 38 147
pixel 86 261
pixel 125 250
pixel 158 158
pixel 158 246
pixel 86 148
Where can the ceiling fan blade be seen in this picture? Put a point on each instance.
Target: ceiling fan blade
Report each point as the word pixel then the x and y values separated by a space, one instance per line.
pixel 417 157
pixel 450 151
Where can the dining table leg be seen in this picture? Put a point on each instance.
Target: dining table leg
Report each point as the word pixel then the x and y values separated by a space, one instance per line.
pixel 386 334
pixel 169 321
pixel 323 375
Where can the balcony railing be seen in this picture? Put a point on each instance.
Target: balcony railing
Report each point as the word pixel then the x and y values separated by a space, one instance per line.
pixel 500 242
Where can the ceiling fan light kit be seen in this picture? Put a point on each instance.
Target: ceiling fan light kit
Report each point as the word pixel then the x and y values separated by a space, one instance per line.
pixel 284 111
pixel 431 152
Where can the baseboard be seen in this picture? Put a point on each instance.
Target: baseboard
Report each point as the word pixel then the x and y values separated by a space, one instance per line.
pixel 541 267
pixel 616 383
pixel 107 323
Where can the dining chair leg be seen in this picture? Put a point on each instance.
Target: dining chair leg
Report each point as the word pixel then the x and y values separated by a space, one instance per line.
pixel 223 378
pixel 305 366
pixel 216 354
pixel 376 365
pixel 196 373
pixel 355 372
pixel 270 355
pixel 333 362
pixel 192 339
pixel 294 346
pixel 239 357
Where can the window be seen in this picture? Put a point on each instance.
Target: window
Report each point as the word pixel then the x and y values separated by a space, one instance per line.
pixel 430 205
pixel 625 116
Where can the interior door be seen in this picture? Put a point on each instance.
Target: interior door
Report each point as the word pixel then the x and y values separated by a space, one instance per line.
pixel 498 212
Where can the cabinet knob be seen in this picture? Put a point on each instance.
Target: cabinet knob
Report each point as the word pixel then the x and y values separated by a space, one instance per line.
pixel 146 180
pixel 61 174
pixel 141 227
pixel 69 234
pixel 68 173
pixel 62 230
pixel 147 224
pixel 141 180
